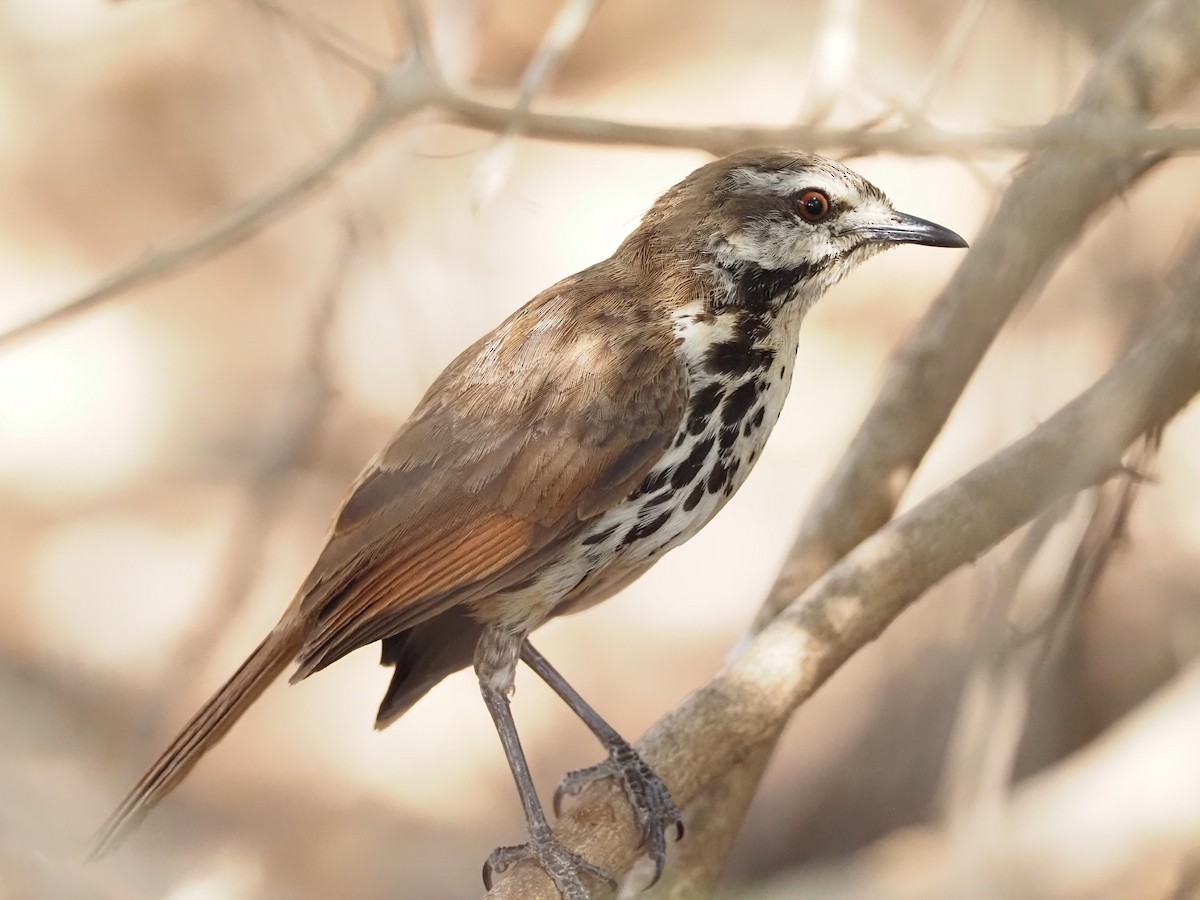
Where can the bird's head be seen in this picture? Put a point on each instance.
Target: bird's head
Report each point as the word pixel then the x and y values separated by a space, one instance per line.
pixel 782 223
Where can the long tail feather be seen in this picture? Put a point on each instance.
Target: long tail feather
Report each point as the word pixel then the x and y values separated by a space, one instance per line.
pixel 200 734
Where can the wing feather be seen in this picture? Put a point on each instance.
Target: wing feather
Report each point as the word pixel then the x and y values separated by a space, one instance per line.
pixel 522 439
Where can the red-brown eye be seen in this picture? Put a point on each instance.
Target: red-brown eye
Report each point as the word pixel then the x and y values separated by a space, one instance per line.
pixel 812 206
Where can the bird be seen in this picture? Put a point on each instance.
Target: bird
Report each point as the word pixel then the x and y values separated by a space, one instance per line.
pixel 559 457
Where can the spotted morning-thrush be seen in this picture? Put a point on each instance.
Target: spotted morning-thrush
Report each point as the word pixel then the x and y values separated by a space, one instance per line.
pixel 557 458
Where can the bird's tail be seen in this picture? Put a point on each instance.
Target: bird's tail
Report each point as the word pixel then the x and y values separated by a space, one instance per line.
pixel 199 735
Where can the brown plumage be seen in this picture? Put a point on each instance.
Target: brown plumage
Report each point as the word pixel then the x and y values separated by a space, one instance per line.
pixel 556 459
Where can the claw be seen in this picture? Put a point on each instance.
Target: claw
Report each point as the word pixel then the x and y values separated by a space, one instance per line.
pixel 651 801
pixel 564 867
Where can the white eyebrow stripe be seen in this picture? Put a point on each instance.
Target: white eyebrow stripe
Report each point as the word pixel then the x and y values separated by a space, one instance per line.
pixel 782 183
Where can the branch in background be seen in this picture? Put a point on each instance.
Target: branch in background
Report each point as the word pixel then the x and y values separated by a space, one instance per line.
pixel 292 432
pixel 1128 803
pixel 221 234
pixel 751 698
pixel 560 38
pixel 415 85
pixel 1043 212
pixel 326 39
pixel 993 706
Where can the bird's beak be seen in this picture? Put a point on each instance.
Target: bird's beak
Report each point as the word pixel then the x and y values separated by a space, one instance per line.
pixel 901 228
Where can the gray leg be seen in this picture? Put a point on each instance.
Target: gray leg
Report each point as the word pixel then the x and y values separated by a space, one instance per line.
pixel 564 867
pixel 647 794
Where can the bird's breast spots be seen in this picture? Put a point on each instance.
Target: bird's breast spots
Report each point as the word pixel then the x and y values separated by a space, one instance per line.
pixel 655 481
pixel 737 357
pixel 754 422
pixel 739 400
pixel 645 528
pixel 599 537
pixel 703 404
pixel 717 477
pixel 687 470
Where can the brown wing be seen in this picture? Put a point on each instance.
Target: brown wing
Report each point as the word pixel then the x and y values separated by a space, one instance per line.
pixel 553 417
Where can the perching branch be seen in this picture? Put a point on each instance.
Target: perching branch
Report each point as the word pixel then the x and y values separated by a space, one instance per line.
pixel 752 696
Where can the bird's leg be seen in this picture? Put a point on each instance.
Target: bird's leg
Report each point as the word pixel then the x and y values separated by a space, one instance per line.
pixel 564 867
pixel 651 801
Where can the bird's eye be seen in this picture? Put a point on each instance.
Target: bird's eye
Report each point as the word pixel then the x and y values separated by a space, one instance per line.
pixel 813 206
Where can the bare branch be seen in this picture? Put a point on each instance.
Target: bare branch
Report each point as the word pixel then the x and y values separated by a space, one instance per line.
pixel 1071 833
pixel 953 50
pixel 1077 132
pixel 992 709
pixel 564 32
pixel 749 699
pixel 222 233
pixel 292 434
pixel 324 37
pixel 834 59
pixel 420 43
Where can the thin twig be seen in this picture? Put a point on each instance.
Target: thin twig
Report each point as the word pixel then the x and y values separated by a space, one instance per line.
pixel 292 435
pixel 953 50
pixel 420 44
pixel 328 39
pixel 562 35
pixel 833 60
pixel 992 710
pixel 222 233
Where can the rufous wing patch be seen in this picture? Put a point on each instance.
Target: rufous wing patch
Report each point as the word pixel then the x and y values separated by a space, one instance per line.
pixel 416 580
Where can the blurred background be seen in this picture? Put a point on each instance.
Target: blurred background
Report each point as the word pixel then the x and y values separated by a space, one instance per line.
pixel 170 460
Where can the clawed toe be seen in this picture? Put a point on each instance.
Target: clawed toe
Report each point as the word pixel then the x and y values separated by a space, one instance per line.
pixel 652 805
pixel 564 867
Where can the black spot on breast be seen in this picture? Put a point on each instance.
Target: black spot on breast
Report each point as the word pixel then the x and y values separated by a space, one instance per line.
pixel 656 480
pixel 728 437
pixel 694 497
pixel 738 403
pixel 599 536
pixel 738 356
pixel 659 499
pixel 754 422
pixel 717 477
pixel 690 467
pixel 645 529
pixel 703 404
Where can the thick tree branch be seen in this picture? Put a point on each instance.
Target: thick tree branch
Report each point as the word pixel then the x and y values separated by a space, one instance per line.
pixel 748 701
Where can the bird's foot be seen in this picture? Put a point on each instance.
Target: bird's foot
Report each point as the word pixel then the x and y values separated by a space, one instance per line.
pixel 564 867
pixel 652 805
